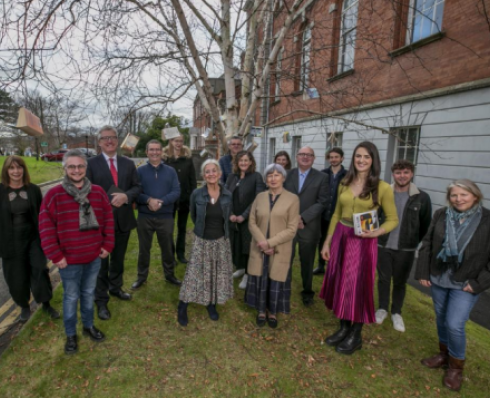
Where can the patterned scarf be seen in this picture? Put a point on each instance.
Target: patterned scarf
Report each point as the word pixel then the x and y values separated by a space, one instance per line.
pixel 87 218
pixel 458 235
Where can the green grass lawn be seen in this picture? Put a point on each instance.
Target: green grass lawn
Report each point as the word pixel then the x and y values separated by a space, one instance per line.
pixel 147 354
pixel 40 171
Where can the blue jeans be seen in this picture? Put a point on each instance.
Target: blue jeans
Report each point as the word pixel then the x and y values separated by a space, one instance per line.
pixel 79 284
pixel 452 309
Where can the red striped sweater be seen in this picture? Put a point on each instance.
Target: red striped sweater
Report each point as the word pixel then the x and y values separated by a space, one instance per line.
pixel 60 232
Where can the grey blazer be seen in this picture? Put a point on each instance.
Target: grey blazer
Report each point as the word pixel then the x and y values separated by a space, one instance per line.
pixel 475 267
pixel 313 199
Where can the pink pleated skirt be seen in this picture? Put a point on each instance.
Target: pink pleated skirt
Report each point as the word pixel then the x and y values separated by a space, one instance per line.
pixel 348 286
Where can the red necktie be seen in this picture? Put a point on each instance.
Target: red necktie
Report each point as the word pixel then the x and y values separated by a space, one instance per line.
pixel 113 171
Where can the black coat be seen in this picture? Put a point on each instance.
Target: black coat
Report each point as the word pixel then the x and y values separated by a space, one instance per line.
pixel 333 189
pixel 184 166
pixel 313 199
pixel 246 191
pixel 415 221
pixel 98 173
pixel 35 198
pixel 475 267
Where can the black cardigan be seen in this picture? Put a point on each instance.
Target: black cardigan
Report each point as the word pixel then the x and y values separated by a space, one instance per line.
pixel 6 237
pixel 475 267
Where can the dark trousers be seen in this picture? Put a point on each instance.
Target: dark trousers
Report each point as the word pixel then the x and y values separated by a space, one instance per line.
pixel 181 209
pixel 164 229
pixel 26 272
pixel 307 252
pixel 395 264
pixel 111 271
pixel 324 232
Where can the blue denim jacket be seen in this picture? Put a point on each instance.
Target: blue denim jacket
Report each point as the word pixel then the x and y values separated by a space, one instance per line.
pixel 199 200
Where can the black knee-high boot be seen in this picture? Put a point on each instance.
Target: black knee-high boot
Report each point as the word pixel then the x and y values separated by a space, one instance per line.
pixel 339 335
pixel 353 340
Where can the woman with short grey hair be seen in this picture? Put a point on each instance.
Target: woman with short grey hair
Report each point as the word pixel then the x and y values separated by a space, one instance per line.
pixel 273 222
pixel 454 262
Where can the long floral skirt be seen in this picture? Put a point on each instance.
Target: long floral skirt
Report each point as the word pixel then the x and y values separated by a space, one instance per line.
pixel 209 275
pixel 348 286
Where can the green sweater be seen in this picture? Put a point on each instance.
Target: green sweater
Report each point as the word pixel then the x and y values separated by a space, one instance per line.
pixel 348 205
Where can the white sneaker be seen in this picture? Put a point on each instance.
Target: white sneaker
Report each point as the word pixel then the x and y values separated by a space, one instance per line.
pixel 398 322
pixel 243 283
pixel 238 273
pixel 380 316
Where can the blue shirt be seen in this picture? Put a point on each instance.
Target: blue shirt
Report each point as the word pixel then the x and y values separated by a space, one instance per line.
pixel 302 178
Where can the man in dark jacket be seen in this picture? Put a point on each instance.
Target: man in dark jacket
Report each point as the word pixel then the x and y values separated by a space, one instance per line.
pixel 235 145
pixel 397 249
pixel 156 202
pixel 117 176
pixel 311 186
pixel 336 173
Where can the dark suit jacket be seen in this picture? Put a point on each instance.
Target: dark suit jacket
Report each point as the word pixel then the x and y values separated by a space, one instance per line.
pixel 99 174
pixel 313 199
pixel 475 267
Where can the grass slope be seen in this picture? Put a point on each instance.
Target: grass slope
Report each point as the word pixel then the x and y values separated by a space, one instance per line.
pixel 40 171
pixel 147 354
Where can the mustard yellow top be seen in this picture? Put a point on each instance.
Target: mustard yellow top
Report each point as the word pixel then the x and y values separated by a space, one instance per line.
pixel 348 205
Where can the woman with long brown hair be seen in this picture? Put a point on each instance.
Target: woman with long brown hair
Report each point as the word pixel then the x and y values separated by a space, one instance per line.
pixel 348 287
pixel 23 261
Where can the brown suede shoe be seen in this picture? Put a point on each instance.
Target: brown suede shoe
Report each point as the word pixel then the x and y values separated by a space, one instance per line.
pixel 454 375
pixel 439 360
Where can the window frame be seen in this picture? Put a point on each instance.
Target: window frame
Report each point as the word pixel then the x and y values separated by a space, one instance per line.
pixel 305 65
pixel 295 147
pixel 330 145
pixel 398 144
pixel 342 66
pixel 412 18
pixel 272 149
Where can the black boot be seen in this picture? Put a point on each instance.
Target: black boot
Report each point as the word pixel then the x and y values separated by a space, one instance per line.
pixel 353 340
pixel 213 314
pixel 339 335
pixel 182 314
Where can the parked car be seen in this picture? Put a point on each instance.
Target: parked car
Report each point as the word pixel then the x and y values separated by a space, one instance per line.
pixel 88 152
pixel 56 156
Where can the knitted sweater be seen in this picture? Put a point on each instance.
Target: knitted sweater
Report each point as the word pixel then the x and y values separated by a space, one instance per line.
pixel 60 232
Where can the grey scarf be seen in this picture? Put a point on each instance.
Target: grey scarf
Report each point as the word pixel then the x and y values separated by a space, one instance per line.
pixel 458 235
pixel 87 218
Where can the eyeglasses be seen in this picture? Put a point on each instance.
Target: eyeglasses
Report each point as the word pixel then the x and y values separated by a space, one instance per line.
pixel 109 138
pixel 236 144
pixel 73 167
pixel 305 155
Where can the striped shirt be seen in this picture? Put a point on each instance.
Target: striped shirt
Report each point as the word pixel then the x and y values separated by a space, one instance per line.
pixel 59 227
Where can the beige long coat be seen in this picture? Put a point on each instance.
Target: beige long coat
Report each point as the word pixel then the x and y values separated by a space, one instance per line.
pixel 284 220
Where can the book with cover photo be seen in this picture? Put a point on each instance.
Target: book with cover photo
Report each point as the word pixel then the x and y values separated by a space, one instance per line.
pixel 366 222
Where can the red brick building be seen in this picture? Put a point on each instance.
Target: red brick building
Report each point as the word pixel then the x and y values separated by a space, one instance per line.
pixel 413 76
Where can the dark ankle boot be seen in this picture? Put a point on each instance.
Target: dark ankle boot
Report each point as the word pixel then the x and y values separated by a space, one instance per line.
pixel 353 340
pixel 439 360
pixel 182 314
pixel 454 375
pixel 213 314
pixel 336 338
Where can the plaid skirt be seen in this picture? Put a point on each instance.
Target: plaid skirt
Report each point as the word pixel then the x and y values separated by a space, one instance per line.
pixel 209 275
pixel 262 293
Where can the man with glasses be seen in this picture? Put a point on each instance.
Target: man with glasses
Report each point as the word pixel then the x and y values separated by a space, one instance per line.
pixel 118 177
pixel 311 186
pixel 77 233
pixel 235 145
pixel 161 189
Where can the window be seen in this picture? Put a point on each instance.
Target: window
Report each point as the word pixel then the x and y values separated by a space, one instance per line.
pixel 305 59
pixel 407 144
pixel 296 148
pixel 272 150
pixel 425 19
pixel 348 35
pixel 277 88
pixel 333 140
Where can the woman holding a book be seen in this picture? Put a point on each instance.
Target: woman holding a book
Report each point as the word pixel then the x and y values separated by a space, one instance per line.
pixel 348 287
pixel 454 261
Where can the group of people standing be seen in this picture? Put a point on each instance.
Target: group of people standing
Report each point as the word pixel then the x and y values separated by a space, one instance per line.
pixel 255 223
